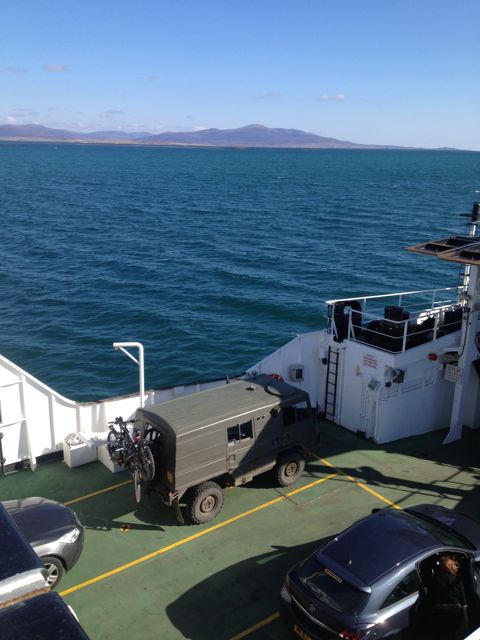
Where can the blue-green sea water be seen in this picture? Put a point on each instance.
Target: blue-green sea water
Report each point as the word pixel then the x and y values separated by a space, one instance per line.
pixel 211 258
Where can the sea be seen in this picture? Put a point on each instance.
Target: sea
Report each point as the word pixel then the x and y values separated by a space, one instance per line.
pixel 211 258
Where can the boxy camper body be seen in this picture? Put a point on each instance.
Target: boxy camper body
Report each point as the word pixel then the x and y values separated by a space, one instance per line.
pixel 225 436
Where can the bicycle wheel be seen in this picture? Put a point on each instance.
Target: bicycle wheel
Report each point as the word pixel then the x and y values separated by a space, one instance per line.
pixel 137 484
pixel 113 447
pixel 148 464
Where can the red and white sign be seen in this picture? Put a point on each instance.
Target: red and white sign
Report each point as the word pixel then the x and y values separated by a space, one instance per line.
pixel 453 373
pixel 370 361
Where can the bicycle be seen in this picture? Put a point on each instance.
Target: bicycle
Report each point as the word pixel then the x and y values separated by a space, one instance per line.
pixel 127 447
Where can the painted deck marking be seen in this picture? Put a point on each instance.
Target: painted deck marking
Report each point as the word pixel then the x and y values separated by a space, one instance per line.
pixel 359 484
pixel 195 536
pixel 257 626
pixel 97 493
pixel 363 486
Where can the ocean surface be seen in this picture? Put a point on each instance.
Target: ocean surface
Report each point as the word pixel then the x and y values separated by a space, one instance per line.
pixel 212 258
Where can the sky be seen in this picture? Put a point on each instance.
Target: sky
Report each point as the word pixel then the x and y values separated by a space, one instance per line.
pixel 388 72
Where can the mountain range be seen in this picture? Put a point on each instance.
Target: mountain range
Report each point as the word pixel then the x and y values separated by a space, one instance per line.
pixel 253 135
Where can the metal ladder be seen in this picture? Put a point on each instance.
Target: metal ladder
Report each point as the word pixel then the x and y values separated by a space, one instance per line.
pixel 331 383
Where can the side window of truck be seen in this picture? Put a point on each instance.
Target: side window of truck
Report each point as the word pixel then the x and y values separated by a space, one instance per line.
pixel 242 431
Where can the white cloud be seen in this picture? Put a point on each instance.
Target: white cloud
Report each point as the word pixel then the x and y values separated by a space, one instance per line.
pixel 55 68
pixel 265 95
pixel 24 111
pixel 11 120
pixel 17 71
pixel 338 97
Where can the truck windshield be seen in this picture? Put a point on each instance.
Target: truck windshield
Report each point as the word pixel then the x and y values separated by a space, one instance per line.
pixel 296 412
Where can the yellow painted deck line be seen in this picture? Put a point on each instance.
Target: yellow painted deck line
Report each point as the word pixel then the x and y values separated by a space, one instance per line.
pixel 360 484
pixel 363 486
pixel 257 626
pixel 97 493
pixel 195 536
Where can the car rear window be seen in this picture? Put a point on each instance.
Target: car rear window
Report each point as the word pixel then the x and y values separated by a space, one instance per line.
pixel 331 589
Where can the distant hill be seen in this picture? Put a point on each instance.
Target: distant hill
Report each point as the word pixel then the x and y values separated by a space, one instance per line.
pixel 34 131
pixel 253 135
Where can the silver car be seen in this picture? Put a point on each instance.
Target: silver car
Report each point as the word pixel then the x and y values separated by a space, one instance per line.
pixel 373 580
pixel 53 530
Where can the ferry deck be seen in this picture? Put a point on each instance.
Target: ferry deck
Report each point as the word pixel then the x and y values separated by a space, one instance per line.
pixel 143 575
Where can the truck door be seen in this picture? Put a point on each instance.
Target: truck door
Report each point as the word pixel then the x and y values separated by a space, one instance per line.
pixel 239 447
pixel 268 436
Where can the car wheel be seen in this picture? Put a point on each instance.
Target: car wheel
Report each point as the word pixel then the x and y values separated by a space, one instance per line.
pixel 205 502
pixel 289 468
pixel 55 570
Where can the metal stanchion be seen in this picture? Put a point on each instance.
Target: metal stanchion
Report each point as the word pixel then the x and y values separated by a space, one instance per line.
pixel 2 459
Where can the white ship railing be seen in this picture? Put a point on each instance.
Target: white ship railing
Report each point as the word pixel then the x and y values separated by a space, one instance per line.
pixel 427 298
pixel 396 322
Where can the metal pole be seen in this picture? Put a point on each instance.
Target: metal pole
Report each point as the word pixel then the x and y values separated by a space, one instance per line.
pixel 2 459
pixel 471 293
pixel 122 346
pixel 466 356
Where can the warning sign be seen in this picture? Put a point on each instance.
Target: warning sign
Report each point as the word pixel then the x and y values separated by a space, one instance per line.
pixel 453 373
pixel 369 360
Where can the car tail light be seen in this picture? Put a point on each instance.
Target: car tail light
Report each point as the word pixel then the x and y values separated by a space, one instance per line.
pixel 352 634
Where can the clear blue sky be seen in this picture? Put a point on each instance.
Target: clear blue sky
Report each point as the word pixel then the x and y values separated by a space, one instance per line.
pixel 403 72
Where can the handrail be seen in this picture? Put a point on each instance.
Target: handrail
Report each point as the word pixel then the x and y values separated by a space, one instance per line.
pixel 393 295
pixel 395 336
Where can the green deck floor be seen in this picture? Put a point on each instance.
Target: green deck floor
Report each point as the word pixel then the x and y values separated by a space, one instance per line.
pixel 143 575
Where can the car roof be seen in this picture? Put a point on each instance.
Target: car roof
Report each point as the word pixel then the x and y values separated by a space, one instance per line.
pixel 375 545
pixel 38 518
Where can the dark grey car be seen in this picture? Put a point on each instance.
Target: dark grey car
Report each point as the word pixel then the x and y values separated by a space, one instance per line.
pixel 371 581
pixel 53 530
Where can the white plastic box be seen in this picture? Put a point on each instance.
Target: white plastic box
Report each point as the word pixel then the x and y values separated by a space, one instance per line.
pixel 104 458
pixel 78 454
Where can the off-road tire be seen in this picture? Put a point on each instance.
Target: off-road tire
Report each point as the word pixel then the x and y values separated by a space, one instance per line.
pixel 289 468
pixel 204 502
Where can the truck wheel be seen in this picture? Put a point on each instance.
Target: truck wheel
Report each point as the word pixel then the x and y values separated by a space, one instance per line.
pixel 289 468
pixel 205 502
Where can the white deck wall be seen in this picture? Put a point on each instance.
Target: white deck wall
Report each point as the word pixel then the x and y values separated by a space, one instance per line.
pixel 366 403
pixel 35 419
pixel 371 403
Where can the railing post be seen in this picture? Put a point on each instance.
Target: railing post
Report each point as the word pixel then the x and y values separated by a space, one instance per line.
pixel 405 332
pixel 435 326
pixel 2 459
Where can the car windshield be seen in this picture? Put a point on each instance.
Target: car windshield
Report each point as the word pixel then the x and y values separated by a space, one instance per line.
pixel 331 589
